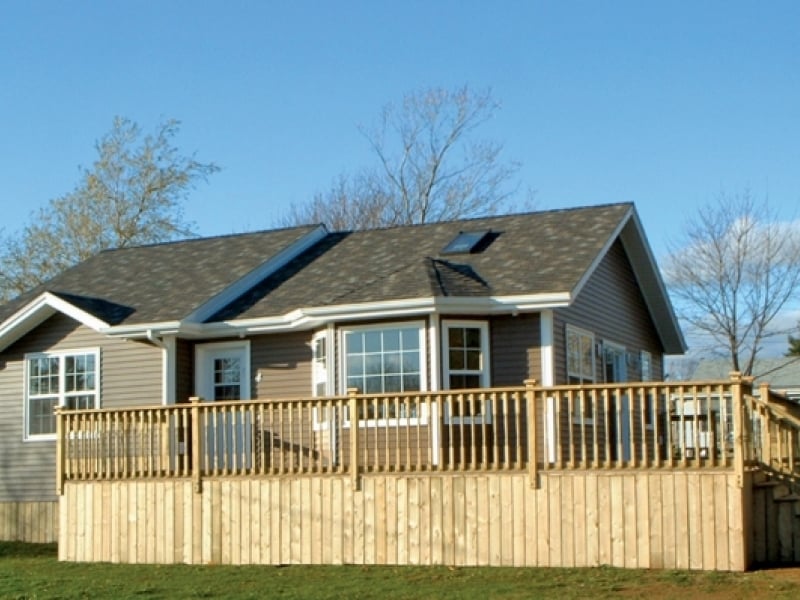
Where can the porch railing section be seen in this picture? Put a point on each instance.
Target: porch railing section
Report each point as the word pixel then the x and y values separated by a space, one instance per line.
pixel 614 426
pixel 774 429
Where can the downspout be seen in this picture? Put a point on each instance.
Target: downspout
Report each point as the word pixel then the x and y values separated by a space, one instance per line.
pixel 168 365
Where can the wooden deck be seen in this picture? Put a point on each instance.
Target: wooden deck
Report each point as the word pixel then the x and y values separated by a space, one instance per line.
pixel 633 475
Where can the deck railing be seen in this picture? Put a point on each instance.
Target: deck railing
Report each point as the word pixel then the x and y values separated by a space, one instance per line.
pixel 619 426
pixel 775 433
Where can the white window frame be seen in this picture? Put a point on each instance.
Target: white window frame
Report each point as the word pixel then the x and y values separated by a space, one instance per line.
pixel 421 326
pixel 572 330
pixel 483 326
pixel 581 418
pixel 322 374
pixel 62 395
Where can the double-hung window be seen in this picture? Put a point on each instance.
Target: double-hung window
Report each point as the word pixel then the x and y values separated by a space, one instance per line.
pixel 66 378
pixel 465 355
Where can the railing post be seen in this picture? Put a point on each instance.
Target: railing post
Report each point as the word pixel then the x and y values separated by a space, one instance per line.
pixel 197 445
pixel 533 459
pixel 353 407
pixel 738 426
pixel 60 451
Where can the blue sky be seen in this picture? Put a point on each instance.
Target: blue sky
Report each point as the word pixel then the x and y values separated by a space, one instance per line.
pixel 663 104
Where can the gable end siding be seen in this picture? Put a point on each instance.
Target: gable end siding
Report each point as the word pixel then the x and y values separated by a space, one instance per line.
pixel 612 307
pixel 130 376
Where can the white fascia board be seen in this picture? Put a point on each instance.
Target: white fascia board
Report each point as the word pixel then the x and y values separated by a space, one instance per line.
pixel 38 311
pixel 265 269
pixel 308 318
pixel 146 330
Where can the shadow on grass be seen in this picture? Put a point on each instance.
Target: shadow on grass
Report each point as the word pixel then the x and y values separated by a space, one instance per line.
pixel 26 550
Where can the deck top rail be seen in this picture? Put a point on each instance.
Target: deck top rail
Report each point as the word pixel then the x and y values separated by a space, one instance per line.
pixel 653 425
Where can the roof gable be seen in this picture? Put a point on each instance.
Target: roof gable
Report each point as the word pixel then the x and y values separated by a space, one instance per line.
pixel 159 284
pixel 38 311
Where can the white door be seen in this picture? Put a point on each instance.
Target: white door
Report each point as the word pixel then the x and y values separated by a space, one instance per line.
pixel 222 372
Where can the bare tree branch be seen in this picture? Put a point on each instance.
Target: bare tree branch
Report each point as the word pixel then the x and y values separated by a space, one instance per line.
pixel 734 272
pixel 429 167
pixel 133 194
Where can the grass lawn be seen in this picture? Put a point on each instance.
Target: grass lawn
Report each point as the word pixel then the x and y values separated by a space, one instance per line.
pixel 32 571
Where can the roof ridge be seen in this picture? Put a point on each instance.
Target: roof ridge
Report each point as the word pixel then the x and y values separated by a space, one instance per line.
pixel 212 237
pixel 527 213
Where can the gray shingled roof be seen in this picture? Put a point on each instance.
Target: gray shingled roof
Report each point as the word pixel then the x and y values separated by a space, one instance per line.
pixel 534 253
pixel 161 282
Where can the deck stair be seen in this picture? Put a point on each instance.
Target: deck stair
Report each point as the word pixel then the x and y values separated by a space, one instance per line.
pixel 776 485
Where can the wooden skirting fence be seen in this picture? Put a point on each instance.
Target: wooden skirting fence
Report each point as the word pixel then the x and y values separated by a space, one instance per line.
pixel 632 474
pixel 35 522
pixel 637 519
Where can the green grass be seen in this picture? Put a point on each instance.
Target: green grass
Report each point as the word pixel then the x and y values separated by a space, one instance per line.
pixel 32 571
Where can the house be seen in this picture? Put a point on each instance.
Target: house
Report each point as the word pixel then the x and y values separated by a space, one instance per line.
pixel 454 378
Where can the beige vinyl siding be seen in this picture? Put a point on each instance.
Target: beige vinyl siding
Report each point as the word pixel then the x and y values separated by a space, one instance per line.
pixel 610 306
pixel 515 349
pixel 130 375
pixel 283 362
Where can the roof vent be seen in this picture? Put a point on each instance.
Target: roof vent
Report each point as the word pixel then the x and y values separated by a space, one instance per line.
pixel 467 242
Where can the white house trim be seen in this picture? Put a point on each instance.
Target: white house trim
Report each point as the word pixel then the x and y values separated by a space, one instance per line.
pixel 547 348
pixel 37 312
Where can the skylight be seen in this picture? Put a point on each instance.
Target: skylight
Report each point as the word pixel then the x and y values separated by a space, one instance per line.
pixel 466 242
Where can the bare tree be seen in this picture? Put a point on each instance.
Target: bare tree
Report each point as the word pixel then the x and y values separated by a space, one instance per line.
pixel 429 166
pixel 133 194
pixel 736 269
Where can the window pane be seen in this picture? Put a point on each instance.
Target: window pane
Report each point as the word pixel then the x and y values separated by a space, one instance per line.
pixel 391 363
pixel 373 385
pixel 355 342
pixel 411 339
pixel 372 341
pixel 411 383
pixel 80 402
pixel 411 362
pixel 372 364
pixel 456 359
pixel 474 360
pixel 392 383
pixel 356 382
pixel 227 392
pixel 391 340
pixel 42 419
pixel 473 337
pixel 455 337
pixel 355 365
